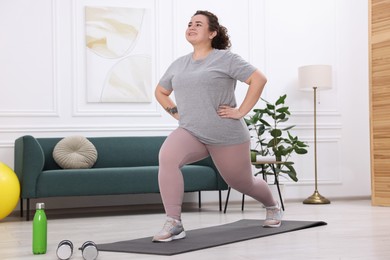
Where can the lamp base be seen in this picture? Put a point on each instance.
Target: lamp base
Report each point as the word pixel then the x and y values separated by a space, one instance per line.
pixel 316 198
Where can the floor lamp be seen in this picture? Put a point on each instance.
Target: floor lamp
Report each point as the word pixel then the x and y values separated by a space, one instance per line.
pixel 315 77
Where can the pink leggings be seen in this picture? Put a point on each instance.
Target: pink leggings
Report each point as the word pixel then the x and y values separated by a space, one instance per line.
pixel 232 161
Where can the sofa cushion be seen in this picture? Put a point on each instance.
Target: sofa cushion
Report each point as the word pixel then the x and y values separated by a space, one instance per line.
pixel 75 152
pixel 118 180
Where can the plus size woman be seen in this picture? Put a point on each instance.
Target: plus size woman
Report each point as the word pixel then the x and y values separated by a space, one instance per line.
pixel 210 121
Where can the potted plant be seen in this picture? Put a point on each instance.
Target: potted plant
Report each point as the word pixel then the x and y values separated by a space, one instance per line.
pixel 273 138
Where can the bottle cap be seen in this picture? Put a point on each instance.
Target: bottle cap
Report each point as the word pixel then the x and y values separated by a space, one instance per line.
pixel 40 205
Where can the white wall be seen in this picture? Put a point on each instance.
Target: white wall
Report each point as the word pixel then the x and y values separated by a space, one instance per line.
pixel 43 90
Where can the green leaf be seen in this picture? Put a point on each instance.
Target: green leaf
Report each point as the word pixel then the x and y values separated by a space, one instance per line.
pixel 273 142
pixel 264 122
pixel 276 133
pixel 282 110
pixel 269 112
pixel 282 120
pixel 288 128
pixel 301 144
pixel 260 131
pixel 288 150
pixel 300 150
pixel 281 100
pixel 270 107
pixel 281 117
pixel 262 111
pixel 292 174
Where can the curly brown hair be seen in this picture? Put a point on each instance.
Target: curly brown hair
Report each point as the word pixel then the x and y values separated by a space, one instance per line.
pixel 221 41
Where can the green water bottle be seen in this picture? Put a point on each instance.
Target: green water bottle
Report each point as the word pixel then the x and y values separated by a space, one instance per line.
pixel 40 230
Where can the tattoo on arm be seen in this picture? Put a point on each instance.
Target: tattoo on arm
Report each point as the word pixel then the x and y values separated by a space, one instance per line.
pixel 171 110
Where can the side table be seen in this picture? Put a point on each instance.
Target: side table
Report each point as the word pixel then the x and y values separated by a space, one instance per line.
pixel 261 163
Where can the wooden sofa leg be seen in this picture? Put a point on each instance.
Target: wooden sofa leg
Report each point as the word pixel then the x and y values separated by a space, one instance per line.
pixel 199 199
pixel 220 200
pixel 21 207
pixel 28 210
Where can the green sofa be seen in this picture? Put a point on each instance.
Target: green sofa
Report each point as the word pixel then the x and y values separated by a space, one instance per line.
pixel 125 165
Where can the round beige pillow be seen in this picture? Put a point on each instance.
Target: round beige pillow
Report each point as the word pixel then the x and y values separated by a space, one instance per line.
pixel 75 152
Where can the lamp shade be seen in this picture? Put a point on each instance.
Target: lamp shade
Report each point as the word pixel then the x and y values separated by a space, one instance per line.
pixel 319 76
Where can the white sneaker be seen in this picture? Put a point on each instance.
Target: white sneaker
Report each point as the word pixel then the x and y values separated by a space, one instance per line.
pixel 274 216
pixel 172 230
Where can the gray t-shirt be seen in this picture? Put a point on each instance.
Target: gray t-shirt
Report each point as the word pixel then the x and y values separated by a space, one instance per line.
pixel 200 87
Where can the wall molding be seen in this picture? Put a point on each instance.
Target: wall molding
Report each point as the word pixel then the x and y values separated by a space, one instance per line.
pixel 7 144
pixel 321 113
pixel 42 112
pixel 117 113
pixel 307 176
pixel 87 128
pixel 322 126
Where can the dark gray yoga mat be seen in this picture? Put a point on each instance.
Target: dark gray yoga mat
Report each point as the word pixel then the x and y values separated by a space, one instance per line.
pixel 207 237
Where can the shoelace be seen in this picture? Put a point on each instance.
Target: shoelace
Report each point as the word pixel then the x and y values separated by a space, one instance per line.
pixel 169 224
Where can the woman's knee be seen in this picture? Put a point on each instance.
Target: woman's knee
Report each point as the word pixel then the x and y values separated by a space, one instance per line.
pixel 167 158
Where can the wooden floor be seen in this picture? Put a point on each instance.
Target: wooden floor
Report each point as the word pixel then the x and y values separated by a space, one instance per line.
pixel 355 230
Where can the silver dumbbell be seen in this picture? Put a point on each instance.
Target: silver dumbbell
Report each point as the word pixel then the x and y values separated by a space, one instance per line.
pixel 65 250
pixel 89 250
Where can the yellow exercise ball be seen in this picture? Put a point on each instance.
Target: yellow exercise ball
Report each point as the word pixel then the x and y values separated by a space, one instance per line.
pixel 9 190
